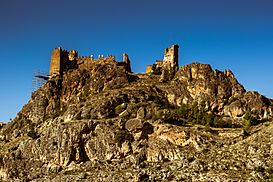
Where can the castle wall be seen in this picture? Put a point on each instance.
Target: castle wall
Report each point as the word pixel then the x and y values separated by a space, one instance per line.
pixel 55 63
pixel 63 60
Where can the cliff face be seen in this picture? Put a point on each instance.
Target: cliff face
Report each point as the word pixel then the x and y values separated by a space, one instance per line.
pixel 106 124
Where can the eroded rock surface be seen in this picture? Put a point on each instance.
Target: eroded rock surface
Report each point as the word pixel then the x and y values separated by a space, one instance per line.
pixel 106 124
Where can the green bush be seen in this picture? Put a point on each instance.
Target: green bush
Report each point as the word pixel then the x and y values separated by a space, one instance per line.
pixel 246 124
pixel 249 120
pixel 193 114
pixel 209 120
pixel 249 116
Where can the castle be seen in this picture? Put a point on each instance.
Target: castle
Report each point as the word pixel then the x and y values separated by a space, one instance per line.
pixel 63 60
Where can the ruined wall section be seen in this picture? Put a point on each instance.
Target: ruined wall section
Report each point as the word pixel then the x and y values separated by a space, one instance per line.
pixel 149 68
pixel 166 67
pixel 87 62
pixel 63 60
pixel 55 63
pixel 171 57
pixel 126 62
pixel 68 60
pixel 170 63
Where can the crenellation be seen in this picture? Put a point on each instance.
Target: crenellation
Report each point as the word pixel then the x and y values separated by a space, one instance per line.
pixel 63 60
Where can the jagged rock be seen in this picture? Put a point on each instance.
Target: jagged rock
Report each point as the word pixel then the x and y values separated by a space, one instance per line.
pixel 235 109
pixel 141 113
pixel 2 124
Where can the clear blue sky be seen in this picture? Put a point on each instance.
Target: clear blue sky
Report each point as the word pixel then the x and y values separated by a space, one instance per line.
pixel 228 34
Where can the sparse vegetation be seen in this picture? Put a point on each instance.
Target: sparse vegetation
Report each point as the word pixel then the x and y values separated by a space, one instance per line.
pixel 193 114
pixel 102 109
pixel 249 120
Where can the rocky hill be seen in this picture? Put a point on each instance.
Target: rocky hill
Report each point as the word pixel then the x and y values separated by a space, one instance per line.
pixel 103 123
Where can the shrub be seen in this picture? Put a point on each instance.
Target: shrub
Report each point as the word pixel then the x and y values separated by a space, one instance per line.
pixel 209 120
pixel 249 120
pixel 194 114
pixel 182 110
pixel 246 124
pixel 249 116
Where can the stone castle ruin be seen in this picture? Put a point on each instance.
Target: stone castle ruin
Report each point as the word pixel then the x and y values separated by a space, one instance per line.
pixel 166 67
pixel 63 60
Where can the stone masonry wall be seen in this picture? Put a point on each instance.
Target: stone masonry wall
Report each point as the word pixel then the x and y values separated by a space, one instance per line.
pixel 168 66
pixel 171 56
pixel 63 60
pixel 55 64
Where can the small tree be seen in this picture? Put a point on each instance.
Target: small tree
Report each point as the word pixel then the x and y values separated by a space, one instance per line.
pixel 249 120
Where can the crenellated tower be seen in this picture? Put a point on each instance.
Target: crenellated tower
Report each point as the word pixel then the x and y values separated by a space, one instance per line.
pixel 62 60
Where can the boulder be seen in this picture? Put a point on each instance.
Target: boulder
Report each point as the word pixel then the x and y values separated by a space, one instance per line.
pixel 133 124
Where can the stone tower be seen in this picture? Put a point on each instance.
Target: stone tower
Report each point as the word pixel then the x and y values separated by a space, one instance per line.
pixel 170 63
pixel 166 67
pixel 171 57
pixel 55 63
pixel 62 60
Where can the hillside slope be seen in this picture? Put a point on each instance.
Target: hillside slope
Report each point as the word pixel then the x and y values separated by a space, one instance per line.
pixel 106 124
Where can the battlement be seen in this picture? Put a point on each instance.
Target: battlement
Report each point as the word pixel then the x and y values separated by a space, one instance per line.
pixel 63 60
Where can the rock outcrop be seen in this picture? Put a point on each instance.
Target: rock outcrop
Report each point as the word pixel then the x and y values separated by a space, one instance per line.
pixel 100 122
